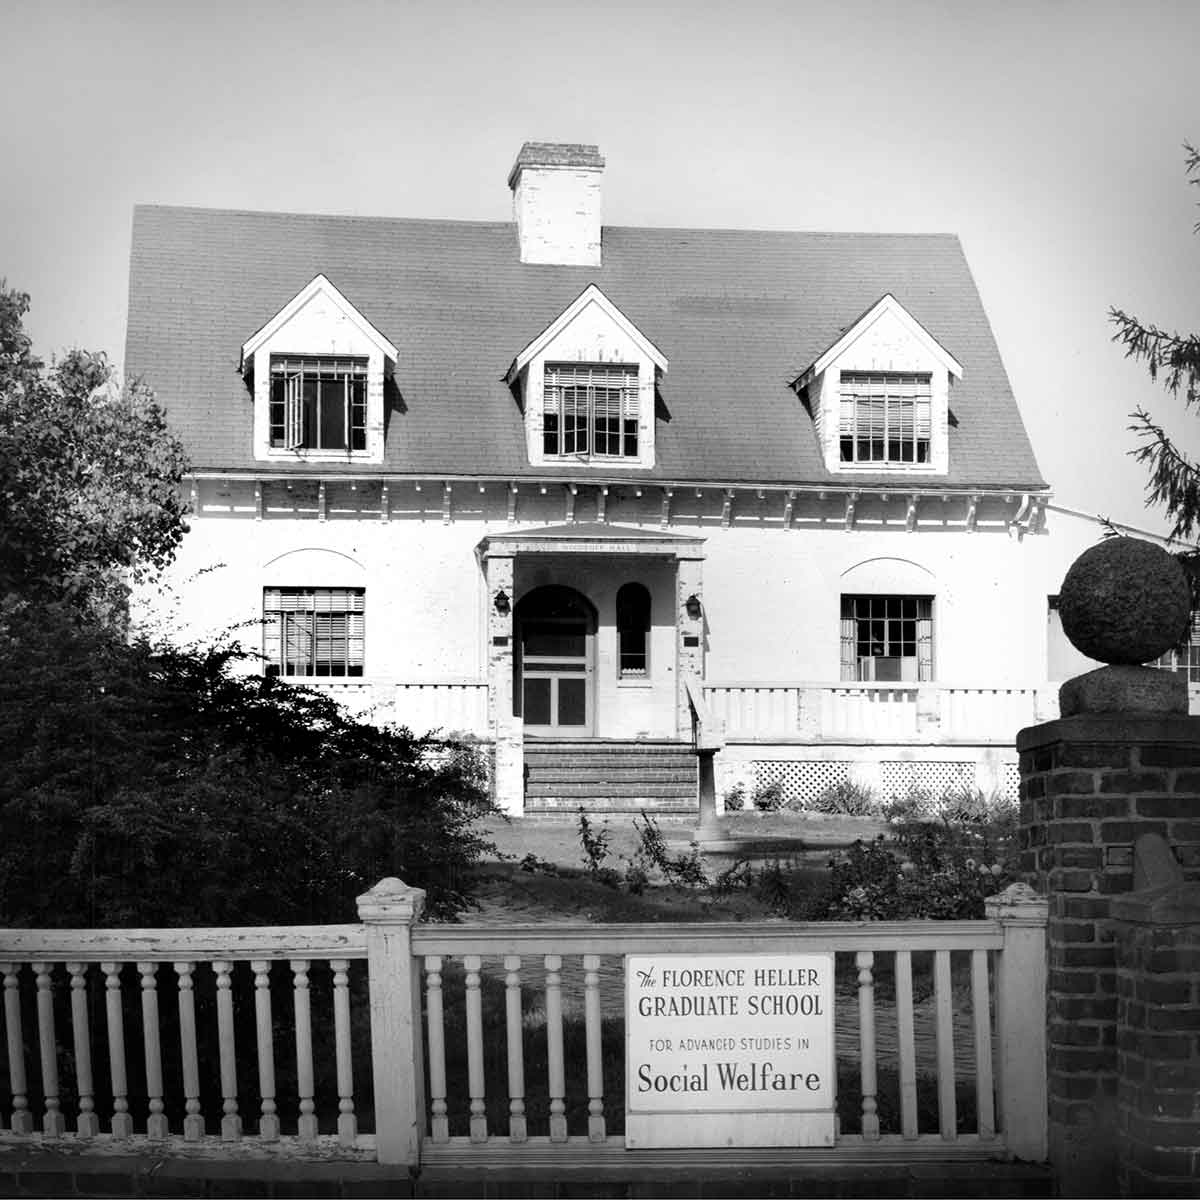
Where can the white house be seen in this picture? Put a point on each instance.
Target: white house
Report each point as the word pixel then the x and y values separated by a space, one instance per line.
pixel 579 490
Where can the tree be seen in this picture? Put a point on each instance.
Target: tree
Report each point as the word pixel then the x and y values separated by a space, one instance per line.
pixel 1175 359
pixel 91 476
pixel 146 784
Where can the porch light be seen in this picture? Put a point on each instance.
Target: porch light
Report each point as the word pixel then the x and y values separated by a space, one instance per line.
pixel 502 603
pixel 692 606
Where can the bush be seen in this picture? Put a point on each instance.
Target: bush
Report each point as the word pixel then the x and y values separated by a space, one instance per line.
pixel 768 797
pixel 142 784
pixel 847 799
pixel 942 870
pixel 735 798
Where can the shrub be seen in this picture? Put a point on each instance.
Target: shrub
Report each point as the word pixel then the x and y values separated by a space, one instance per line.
pixel 735 798
pixel 847 799
pixel 768 797
pixel 941 869
pixel 594 844
pixel 143 784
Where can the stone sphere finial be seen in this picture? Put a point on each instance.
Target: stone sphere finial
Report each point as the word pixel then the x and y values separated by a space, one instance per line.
pixel 1124 601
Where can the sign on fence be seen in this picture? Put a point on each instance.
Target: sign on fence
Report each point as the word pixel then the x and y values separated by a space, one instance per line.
pixel 729 1050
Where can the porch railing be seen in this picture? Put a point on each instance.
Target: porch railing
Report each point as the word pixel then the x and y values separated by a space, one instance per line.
pixel 877 712
pixel 449 705
pixel 260 1041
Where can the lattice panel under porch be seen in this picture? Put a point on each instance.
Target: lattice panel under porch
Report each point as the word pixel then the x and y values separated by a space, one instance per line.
pixel 1012 781
pixel 801 782
pixel 899 779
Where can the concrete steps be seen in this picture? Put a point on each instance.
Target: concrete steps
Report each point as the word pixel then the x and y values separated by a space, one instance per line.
pixel 609 776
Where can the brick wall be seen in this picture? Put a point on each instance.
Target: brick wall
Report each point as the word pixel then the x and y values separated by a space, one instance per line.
pixel 1158 1041
pixel 1090 785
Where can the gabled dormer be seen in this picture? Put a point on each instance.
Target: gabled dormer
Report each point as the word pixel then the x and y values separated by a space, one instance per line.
pixel 880 396
pixel 316 371
pixel 586 385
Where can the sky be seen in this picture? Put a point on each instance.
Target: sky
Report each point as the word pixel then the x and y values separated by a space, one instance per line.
pixel 1047 135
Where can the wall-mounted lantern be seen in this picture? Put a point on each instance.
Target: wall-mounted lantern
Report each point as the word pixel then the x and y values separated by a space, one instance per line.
pixel 502 603
pixel 692 607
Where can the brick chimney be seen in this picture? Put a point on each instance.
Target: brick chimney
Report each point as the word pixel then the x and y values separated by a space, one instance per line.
pixel 556 203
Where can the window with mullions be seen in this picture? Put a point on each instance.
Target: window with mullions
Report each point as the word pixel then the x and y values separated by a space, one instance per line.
pixel 633 631
pixel 590 409
pixel 887 638
pixel 318 403
pixel 313 631
pixel 885 418
pixel 1185 659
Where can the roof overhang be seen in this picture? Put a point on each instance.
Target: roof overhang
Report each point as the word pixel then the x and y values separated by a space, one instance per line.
pixel 590 295
pixel 592 538
pixel 319 285
pixel 887 304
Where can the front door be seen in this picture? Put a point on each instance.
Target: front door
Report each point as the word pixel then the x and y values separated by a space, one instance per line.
pixel 555 640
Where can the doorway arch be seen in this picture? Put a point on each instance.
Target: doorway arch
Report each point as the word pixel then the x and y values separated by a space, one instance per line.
pixel 554 635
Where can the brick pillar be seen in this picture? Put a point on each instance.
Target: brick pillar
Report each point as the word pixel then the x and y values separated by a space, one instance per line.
pixel 1158 1040
pixel 1090 785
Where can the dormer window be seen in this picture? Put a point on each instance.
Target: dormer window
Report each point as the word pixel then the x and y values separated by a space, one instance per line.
pixel 886 417
pixel 586 385
pixel 318 403
pixel 590 409
pixel 316 370
pixel 880 396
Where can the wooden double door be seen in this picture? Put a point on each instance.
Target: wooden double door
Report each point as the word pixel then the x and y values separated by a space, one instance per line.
pixel 554 639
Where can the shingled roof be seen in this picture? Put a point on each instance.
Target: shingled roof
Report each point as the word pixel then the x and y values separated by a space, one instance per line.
pixel 738 314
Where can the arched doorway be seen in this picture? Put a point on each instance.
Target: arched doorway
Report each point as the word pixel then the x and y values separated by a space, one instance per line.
pixel 554 639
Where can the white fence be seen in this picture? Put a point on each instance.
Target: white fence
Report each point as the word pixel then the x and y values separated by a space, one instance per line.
pixel 259 1041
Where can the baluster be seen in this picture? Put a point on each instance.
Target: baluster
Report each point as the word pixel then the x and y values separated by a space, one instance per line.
pixel 472 964
pixel 81 1038
pixel 156 1122
pixel 307 1124
pixel 231 1121
pixel 347 1121
pixel 440 1122
pixel 981 1009
pixel 516 1049
pixel 22 1118
pixel 53 1124
pixel 122 1122
pixel 595 1065
pixel 865 960
pixel 554 1048
pixel 908 1053
pixel 268 1122
pixel 193 1121
pixel 947 1114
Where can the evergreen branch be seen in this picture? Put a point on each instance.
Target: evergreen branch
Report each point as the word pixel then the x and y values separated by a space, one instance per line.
pixel 1174 479
pixel 1176 355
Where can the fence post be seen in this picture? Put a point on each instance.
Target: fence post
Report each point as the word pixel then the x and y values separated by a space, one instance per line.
pixel 1021 1019
pixel 389 911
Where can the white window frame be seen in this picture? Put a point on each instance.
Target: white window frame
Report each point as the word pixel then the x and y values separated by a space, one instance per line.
pixel 858 668
pixel 560 378
pixel 291 369
pixel 282 609
pixel 904 402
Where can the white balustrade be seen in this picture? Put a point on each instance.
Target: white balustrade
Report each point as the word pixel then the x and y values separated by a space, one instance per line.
pixel 176 1074
pixel 872 712
pixel 574 1000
